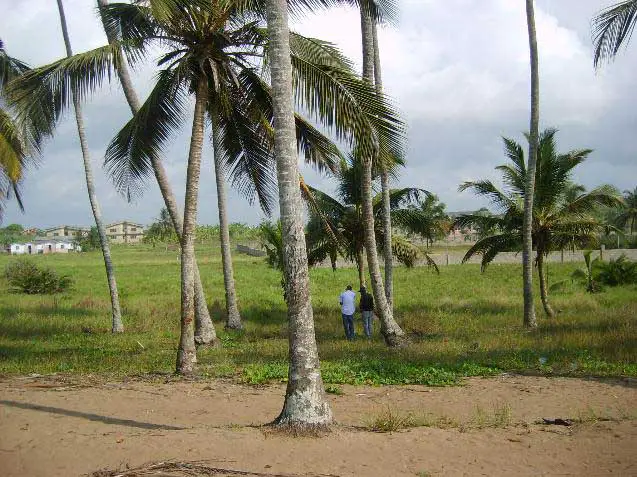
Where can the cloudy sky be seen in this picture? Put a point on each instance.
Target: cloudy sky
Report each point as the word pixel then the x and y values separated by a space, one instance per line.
pixel 458 70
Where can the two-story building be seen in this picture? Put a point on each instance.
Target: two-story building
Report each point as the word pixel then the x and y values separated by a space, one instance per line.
pixel 66 231
pixel 125 232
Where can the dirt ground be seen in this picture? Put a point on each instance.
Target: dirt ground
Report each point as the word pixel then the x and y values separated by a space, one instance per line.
pixel 55 426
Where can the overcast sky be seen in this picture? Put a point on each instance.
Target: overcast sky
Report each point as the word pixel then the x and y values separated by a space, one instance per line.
pixel 459 73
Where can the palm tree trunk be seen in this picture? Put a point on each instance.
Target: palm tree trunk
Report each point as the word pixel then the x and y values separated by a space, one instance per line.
pixel 543 286
pixel 530 320
pixel 186 357
pixel 393 334
pixel 204 329
pixel 384 184
pixel 305 402
pixel 233 318
pixel 117 325
pixel 360 264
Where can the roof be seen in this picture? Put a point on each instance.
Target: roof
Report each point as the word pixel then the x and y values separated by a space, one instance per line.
pixel 72 227
pixel 125 222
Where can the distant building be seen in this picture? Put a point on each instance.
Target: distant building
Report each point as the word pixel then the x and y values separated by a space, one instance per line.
pixel 43 246
pixel 125 232
pixel 69 231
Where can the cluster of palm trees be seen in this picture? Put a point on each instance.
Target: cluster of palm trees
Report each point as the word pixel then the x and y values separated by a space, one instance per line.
pixel 245 72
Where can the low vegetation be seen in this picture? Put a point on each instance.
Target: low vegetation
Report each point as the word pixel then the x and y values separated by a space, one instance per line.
pixel 24 276
pixel 461 323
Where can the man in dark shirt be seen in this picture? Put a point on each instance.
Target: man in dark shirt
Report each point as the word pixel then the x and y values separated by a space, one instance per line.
pixel 367 310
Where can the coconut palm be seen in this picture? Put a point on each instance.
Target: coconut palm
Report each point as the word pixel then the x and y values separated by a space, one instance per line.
pixel 204 329
pixel 384 168
pixel 559 218
pixel 628 211
pixel 612 28
pixel 336 224
pixel 212 53
pixel 529 318
pixel 117 325
pixel 393 334
pixel 305 402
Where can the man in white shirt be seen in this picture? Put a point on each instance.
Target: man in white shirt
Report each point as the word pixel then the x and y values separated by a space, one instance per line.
pixel 348 308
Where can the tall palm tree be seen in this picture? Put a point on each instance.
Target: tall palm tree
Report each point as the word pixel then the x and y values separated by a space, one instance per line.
pixel 305 402
pixel 117 325
pixel 336 224
pixel 612 28
pixel 385 186
pixel 529 318
pixel 204 328
pixel 560 217
pixel 628 214
pixel 225 40
pixel 392 332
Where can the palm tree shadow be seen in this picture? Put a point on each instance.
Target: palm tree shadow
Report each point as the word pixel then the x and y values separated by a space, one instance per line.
pixel 91 416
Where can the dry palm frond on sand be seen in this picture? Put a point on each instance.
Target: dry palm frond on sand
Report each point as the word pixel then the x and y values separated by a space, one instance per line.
pixel 187 469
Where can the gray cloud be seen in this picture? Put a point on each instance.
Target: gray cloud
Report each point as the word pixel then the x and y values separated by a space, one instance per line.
pixel 457 69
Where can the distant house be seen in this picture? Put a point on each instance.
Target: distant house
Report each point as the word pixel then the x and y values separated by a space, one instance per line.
pixel 66 231
pixel 125 232
pixel 43 246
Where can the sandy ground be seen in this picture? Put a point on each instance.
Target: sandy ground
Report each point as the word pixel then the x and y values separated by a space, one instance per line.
pixel 55 427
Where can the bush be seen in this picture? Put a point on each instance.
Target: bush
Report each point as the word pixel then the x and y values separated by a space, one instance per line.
pixel 617 272
pixel 26 277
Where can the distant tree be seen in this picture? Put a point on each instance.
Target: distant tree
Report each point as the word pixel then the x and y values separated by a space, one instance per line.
pixel 612 28
pixel 560 219
pixel 627 216
pixel 90 241
pixel 162 230
pixel 436 222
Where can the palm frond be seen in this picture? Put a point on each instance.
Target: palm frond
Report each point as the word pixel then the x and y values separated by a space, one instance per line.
pixel 612 28
pixel 344 103
pixel 41 96
pixel 488 189
pixel 129 156
pixel 249 157
pixel 489 247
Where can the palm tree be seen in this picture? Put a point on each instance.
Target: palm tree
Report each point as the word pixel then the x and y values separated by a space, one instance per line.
pixel 204 329
pixel 529 319
pixel 224 39
pixel 613 27
pixel 14 149
pixel 628 214
pixel 336 224
pixel 559 217
pixel 393 334
pixel 117 325
pixel 435 220
pixel 305 402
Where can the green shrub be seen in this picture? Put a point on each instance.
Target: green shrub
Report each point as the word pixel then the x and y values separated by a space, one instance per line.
pixel 26 277
pixel 620 271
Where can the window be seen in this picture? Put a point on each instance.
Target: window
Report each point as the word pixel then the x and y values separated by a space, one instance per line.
pixel 112 230
pixel 56 234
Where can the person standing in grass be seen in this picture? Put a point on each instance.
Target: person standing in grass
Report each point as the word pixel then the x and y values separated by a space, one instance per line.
pixel 367 310
pixel 348 307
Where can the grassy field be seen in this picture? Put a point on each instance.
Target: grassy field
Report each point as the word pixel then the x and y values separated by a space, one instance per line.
pixel 461 322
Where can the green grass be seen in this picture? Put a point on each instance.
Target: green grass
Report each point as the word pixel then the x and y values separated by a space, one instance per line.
pixel 462 323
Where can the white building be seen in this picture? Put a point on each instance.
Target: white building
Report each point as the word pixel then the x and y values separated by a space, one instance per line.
pixel 43 247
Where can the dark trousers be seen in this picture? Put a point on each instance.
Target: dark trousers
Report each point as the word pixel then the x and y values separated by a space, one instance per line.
pixel 348 324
